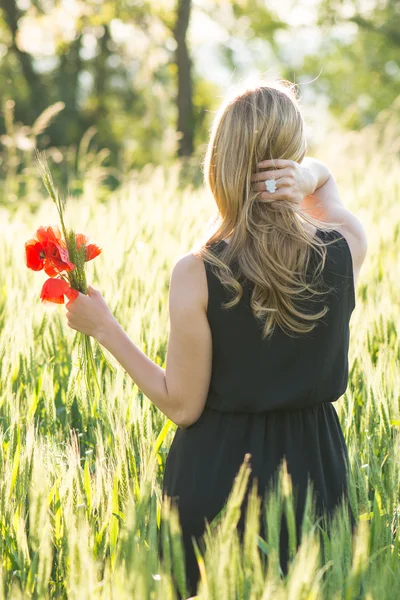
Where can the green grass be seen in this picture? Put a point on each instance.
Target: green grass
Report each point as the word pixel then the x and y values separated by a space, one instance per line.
pixel 80 480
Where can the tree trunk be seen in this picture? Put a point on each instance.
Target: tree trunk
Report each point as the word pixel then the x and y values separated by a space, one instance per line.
pixel 101 75
pixel 12 15
pixel 68 128
pixel 185 90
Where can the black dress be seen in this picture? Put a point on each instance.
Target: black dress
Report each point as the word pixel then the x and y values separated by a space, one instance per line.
pixel 270 398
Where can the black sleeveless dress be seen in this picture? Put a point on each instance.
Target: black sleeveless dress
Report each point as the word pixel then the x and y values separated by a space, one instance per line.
pixel 270 398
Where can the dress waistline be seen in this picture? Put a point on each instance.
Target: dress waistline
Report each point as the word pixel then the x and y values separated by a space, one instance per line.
pixel 283 409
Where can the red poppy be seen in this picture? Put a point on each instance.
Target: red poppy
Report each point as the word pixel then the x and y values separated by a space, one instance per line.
pixel 91 249
pixel 53 290
pixel 48 251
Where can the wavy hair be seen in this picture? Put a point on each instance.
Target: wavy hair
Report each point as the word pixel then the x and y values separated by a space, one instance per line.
pixel 269 246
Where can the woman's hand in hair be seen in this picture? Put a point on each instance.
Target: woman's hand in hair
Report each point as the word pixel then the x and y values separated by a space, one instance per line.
pixel 293 181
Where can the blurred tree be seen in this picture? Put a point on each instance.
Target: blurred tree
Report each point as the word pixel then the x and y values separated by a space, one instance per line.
pixel 12 14
pixel 185 92
pixel 107 62
pixel 359 59
pixel 251 26
pixel 66 79
pixel 129 71
pixel 122 67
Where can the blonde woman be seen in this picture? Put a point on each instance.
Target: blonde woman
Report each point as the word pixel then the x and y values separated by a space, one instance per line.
pixel 259 321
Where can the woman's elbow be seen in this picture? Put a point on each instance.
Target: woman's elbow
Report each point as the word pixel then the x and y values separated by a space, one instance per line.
pixel 186 419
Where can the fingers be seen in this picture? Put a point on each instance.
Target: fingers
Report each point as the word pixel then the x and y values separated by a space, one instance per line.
pixel 263 175
pixel 279 163
pixel 76 303
pixel 72 304
pixel 285 168
pixel 92 291
pixel 281 194
pixel 284 194
pixel 72 321
pixel 281 182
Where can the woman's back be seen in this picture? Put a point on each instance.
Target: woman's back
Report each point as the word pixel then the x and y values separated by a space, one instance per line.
pixel 254 374
pixel 270 398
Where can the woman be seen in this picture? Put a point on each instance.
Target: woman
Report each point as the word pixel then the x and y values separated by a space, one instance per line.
pixel 259 320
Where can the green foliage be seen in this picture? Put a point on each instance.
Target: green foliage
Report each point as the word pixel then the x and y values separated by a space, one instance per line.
pixel 113 68
pixel 81 513
pixel 105 75
pixel 359 59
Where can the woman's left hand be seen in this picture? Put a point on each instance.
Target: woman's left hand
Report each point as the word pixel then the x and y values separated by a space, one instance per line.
pixel 293 181
pixel 89 314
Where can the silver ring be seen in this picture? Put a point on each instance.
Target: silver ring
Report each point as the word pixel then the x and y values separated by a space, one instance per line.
pixel 270 185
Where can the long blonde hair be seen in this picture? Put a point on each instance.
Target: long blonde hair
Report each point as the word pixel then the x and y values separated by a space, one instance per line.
pixel 269 243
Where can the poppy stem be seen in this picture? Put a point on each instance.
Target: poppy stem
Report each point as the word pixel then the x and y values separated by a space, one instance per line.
pixel 75 278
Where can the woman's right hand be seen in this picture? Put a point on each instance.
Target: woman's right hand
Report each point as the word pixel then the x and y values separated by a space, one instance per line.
pixel 293 181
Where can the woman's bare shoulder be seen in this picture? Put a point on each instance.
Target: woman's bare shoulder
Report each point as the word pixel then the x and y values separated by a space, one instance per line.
pixel 190 275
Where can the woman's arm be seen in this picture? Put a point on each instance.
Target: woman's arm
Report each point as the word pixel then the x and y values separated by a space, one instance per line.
pixel 326 205
pixel 324 202
pixel 320 172
pixel 313 187
pixel 180 391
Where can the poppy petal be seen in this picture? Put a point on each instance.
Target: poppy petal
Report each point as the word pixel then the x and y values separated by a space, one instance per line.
pixel 56 259
pixel 80 238
pixel 62 265
pixel 65 258
pixel 54 247
pixel 33 259
pixel 56 252
pixel 92 251
pixel 50 269
pixel 49 234
pixel 53 290
pixel 71 293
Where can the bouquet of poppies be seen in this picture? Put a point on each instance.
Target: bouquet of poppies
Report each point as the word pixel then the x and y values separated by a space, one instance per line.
pixel 62 255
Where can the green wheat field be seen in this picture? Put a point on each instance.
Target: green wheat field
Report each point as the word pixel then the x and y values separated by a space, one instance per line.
pixel 81 514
